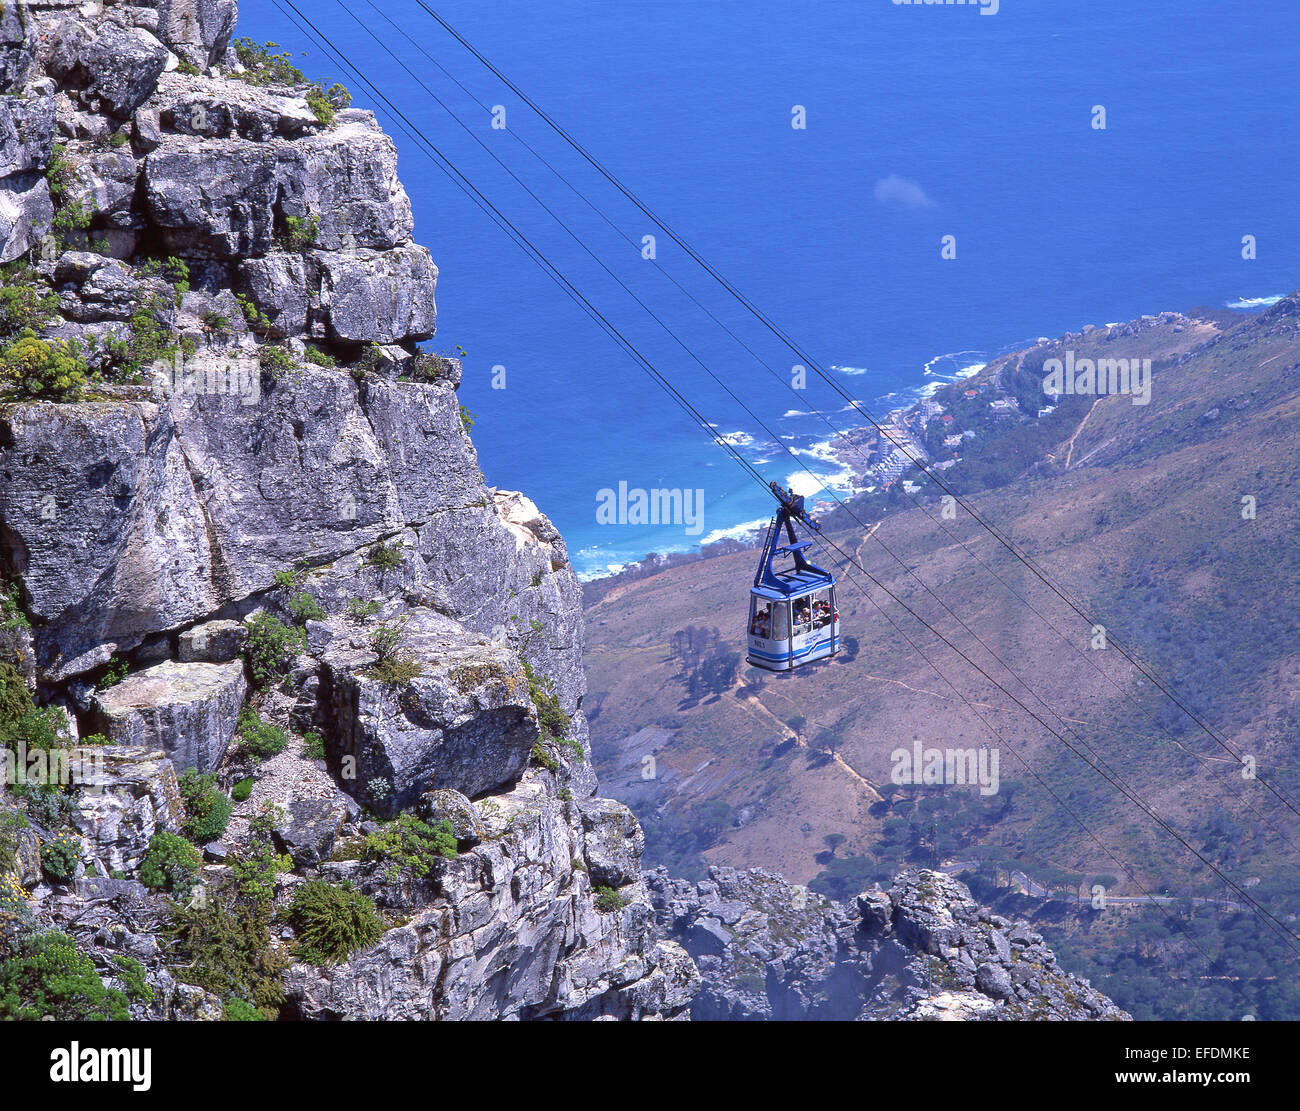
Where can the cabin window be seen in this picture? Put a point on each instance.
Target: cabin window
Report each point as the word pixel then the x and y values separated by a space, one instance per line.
pixel 823 608
pixel 760 621
pixel 781 621
pixel 802 615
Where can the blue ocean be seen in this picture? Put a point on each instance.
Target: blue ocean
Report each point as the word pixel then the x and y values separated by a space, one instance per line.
pixel 818 155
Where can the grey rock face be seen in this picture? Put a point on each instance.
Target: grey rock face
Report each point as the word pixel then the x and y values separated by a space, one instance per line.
pixel 512 933
pixel 189 710
pixel 379 297
pixel 148 523
pixel 310 829
pixel 114 66
pixel 204 24
pixel 613 842
pixel 768 949
pixel 129 795
pixel 446 805
pixel 466 722
pixel 212 642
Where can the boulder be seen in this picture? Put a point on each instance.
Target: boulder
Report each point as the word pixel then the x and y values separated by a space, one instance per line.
pixel 189 710
pixel 17 46
pixel 278 285
pixel 25 213
pixel 993 980
pixel 110 538
pixel 378 296
pixel 310 829
pixel 127 794
pixel 26 134
pixel 205 26
pixel 212 642
pixel 451 806
pixel 612 842
pixel 466 722
pixel 116 67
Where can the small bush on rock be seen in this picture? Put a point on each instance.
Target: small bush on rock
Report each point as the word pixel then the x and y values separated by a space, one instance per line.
pixel 259 738
pixel 171 863
pixel 332 922
pixel 411 847
pixel 272 646
pixel 207 809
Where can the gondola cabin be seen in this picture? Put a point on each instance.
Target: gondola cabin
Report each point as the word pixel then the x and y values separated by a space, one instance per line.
pixel 793 619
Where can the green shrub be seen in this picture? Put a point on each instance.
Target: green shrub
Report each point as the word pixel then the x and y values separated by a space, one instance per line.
pixel 260 738
pixel 313 746
pixel 411 847
pixel 45 976
pixel 609 900
pixel 187 68
pixel 60 172
pixel 385 557
pixel 61 855
pixel 541 756
pixel 303 607
pixel 242 790
pixel 225 948
pixel 258 868
pixel 332 922
pixel 11 609
pixel 254 317
pixel 174 270
pixel 271 648
pixel 550 714
pixel 236 1010
pixel 467 418
pixel 358 610
pixel 15 698
pixel 26 302
pixel 300 232
pixel 320 105
pixel 207 809
pixel 216 322
pixel 45 729
pixel 32 367
pixel 12 823
pixel 132 973
pixel 171 863
pixel 114 674
pixel 150 339
pixel 266 64
pixel 275 361
pixel 320 358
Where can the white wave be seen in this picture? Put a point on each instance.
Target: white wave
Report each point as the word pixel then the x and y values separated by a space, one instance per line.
pixel 736 532
pixel 953 355
pixel 1255 302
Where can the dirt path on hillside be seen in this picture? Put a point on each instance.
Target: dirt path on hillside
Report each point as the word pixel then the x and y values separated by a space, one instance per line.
pixel 784 730
pixel 1082 424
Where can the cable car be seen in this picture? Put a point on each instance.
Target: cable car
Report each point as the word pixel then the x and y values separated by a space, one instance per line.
pixel 793 619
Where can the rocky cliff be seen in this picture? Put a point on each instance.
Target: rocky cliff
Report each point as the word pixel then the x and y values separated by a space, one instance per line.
pixel 923 950
pixel 248 535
